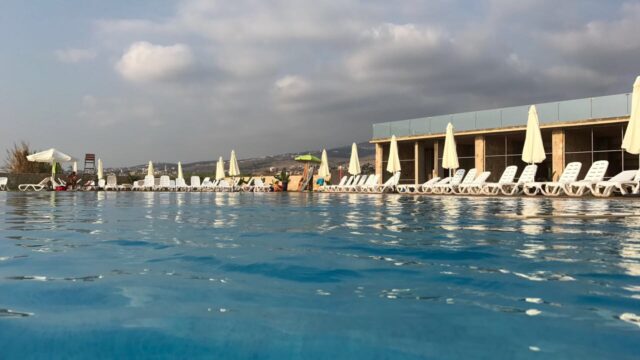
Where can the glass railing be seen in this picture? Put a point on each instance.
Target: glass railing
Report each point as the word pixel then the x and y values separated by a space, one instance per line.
pixel 571 110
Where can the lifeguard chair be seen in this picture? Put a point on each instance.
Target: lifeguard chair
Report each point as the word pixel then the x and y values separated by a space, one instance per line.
pixel 89 163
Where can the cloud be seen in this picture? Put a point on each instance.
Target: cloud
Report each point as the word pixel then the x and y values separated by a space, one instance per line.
pixel 72 56
pixel 145 62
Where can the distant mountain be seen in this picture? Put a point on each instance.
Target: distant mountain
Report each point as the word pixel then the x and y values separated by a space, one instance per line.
pixel 264 165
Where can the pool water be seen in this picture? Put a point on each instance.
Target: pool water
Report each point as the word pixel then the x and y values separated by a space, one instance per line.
pixel 316 276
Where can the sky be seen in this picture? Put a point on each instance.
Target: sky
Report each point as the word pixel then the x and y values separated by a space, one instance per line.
pixel 190 80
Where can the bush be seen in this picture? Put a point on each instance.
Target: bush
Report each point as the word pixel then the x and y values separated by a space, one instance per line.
pixel 17 162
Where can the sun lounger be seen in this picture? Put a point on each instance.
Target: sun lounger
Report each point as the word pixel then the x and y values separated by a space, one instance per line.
pixel 181 185
pixel 507 177
pixel 388 186
pixel 343 181
pixel 554 188
pixel 528 175
pixel 371 182
pixel 137 185
pixel 260 186
pixel 164 184
pixel 35 187
pixel 354 187
pixel 415 188
pixel 150 183
pixel 595 174
pixel 473 187
pixel 621 183
pixel 355 179
pixel 3 183
pixel 195 183
pixel 248 187
pixel 112 183
pixel 428 188
pixel 458 178
pixel 439 188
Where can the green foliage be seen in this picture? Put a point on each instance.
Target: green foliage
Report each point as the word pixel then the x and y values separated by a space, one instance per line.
pixel 282 177
pixel 17 162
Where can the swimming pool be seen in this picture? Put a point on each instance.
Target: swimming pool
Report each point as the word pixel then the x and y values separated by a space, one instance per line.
pixel 219 275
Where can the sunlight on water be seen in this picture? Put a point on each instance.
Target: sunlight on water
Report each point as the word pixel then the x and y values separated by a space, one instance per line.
pixel 317 275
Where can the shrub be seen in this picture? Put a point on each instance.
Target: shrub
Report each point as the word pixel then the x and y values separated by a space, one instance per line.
pixel 17 162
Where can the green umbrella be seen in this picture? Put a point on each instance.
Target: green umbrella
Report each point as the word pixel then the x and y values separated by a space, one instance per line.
pixel 307 158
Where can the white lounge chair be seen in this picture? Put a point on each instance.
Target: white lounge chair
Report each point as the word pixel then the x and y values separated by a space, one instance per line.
pixel 428 185
pixel 595 174
pixel 137 185
pixel 507 177
pixel 439 188
pixel 371 182
pixel 336 188
pixel 195 183
pixel 150 183
pixel 414 188
pixel 164 184
pixel 355 186
pixel 622 183
pixel 35 187
pixel 388 186
pixel 112 183
pixel 260 186
pixel 3 183
pixel 331 188
pixel 354 180
pixel 553 188
pixel 455 181
pixel 248 187
pixel 181 185
pixel 528 175
pixel 473 187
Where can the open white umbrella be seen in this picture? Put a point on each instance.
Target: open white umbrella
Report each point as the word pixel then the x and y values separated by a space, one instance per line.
pixel 220 169
pixel 354 161
pixel 150 169
pixel 323 171
pixel 234 170
pixel 51 156
pixel 180 175
pixel 631 141
pixel 450 154
pixel 533 149
pixel 393 164
pixel 100 170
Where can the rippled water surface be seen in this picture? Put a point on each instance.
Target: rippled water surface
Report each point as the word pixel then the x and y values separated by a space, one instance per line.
pixel 203 275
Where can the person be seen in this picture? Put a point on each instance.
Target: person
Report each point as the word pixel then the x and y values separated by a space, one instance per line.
pixel 72 180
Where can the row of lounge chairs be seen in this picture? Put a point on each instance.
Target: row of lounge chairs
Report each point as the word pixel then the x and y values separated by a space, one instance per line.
pixel 164 183
pixel 363 184
pixel 624 183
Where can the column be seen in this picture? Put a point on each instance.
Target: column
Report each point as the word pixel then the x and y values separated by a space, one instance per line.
pixel 557 150
pixel 378 164
pixel 436 156
pixel 418 150
pixel 479 153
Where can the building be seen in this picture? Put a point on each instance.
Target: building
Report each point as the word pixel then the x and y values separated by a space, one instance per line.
pixel 584 130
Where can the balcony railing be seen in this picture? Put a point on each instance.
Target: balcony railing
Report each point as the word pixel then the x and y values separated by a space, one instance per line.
pixel 571 110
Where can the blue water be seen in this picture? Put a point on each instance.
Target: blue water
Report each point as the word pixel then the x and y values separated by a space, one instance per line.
pixel 315 276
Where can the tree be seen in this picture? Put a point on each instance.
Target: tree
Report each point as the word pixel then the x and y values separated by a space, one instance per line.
pixel 17 162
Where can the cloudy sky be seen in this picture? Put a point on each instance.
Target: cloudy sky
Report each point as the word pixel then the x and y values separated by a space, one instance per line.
pixel 189 80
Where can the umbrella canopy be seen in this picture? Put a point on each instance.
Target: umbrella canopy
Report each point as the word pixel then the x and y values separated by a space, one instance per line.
pixel 307 158
pixel 220 169
pixel 100 171
pixel 631 141
pixel 354 161
pixel 533 149
pixel 75 167
pixel 150 169
pixel 450 154
pixel 51 156
pixel 234 170
pixel 393 165
pixel 323 171
pixel 180 175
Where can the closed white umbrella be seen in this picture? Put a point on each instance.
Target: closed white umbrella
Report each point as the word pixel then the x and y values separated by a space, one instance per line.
pixel 323 171
pixel 220 169
pixel 75 167
pixel 393 164
pixel 150 169
pixel 631 141
pixel 51 156
pixel 354 161
pixel 234 170
pixel 100 171
pixel 533 149
pixel 450 154
pixel 180 175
